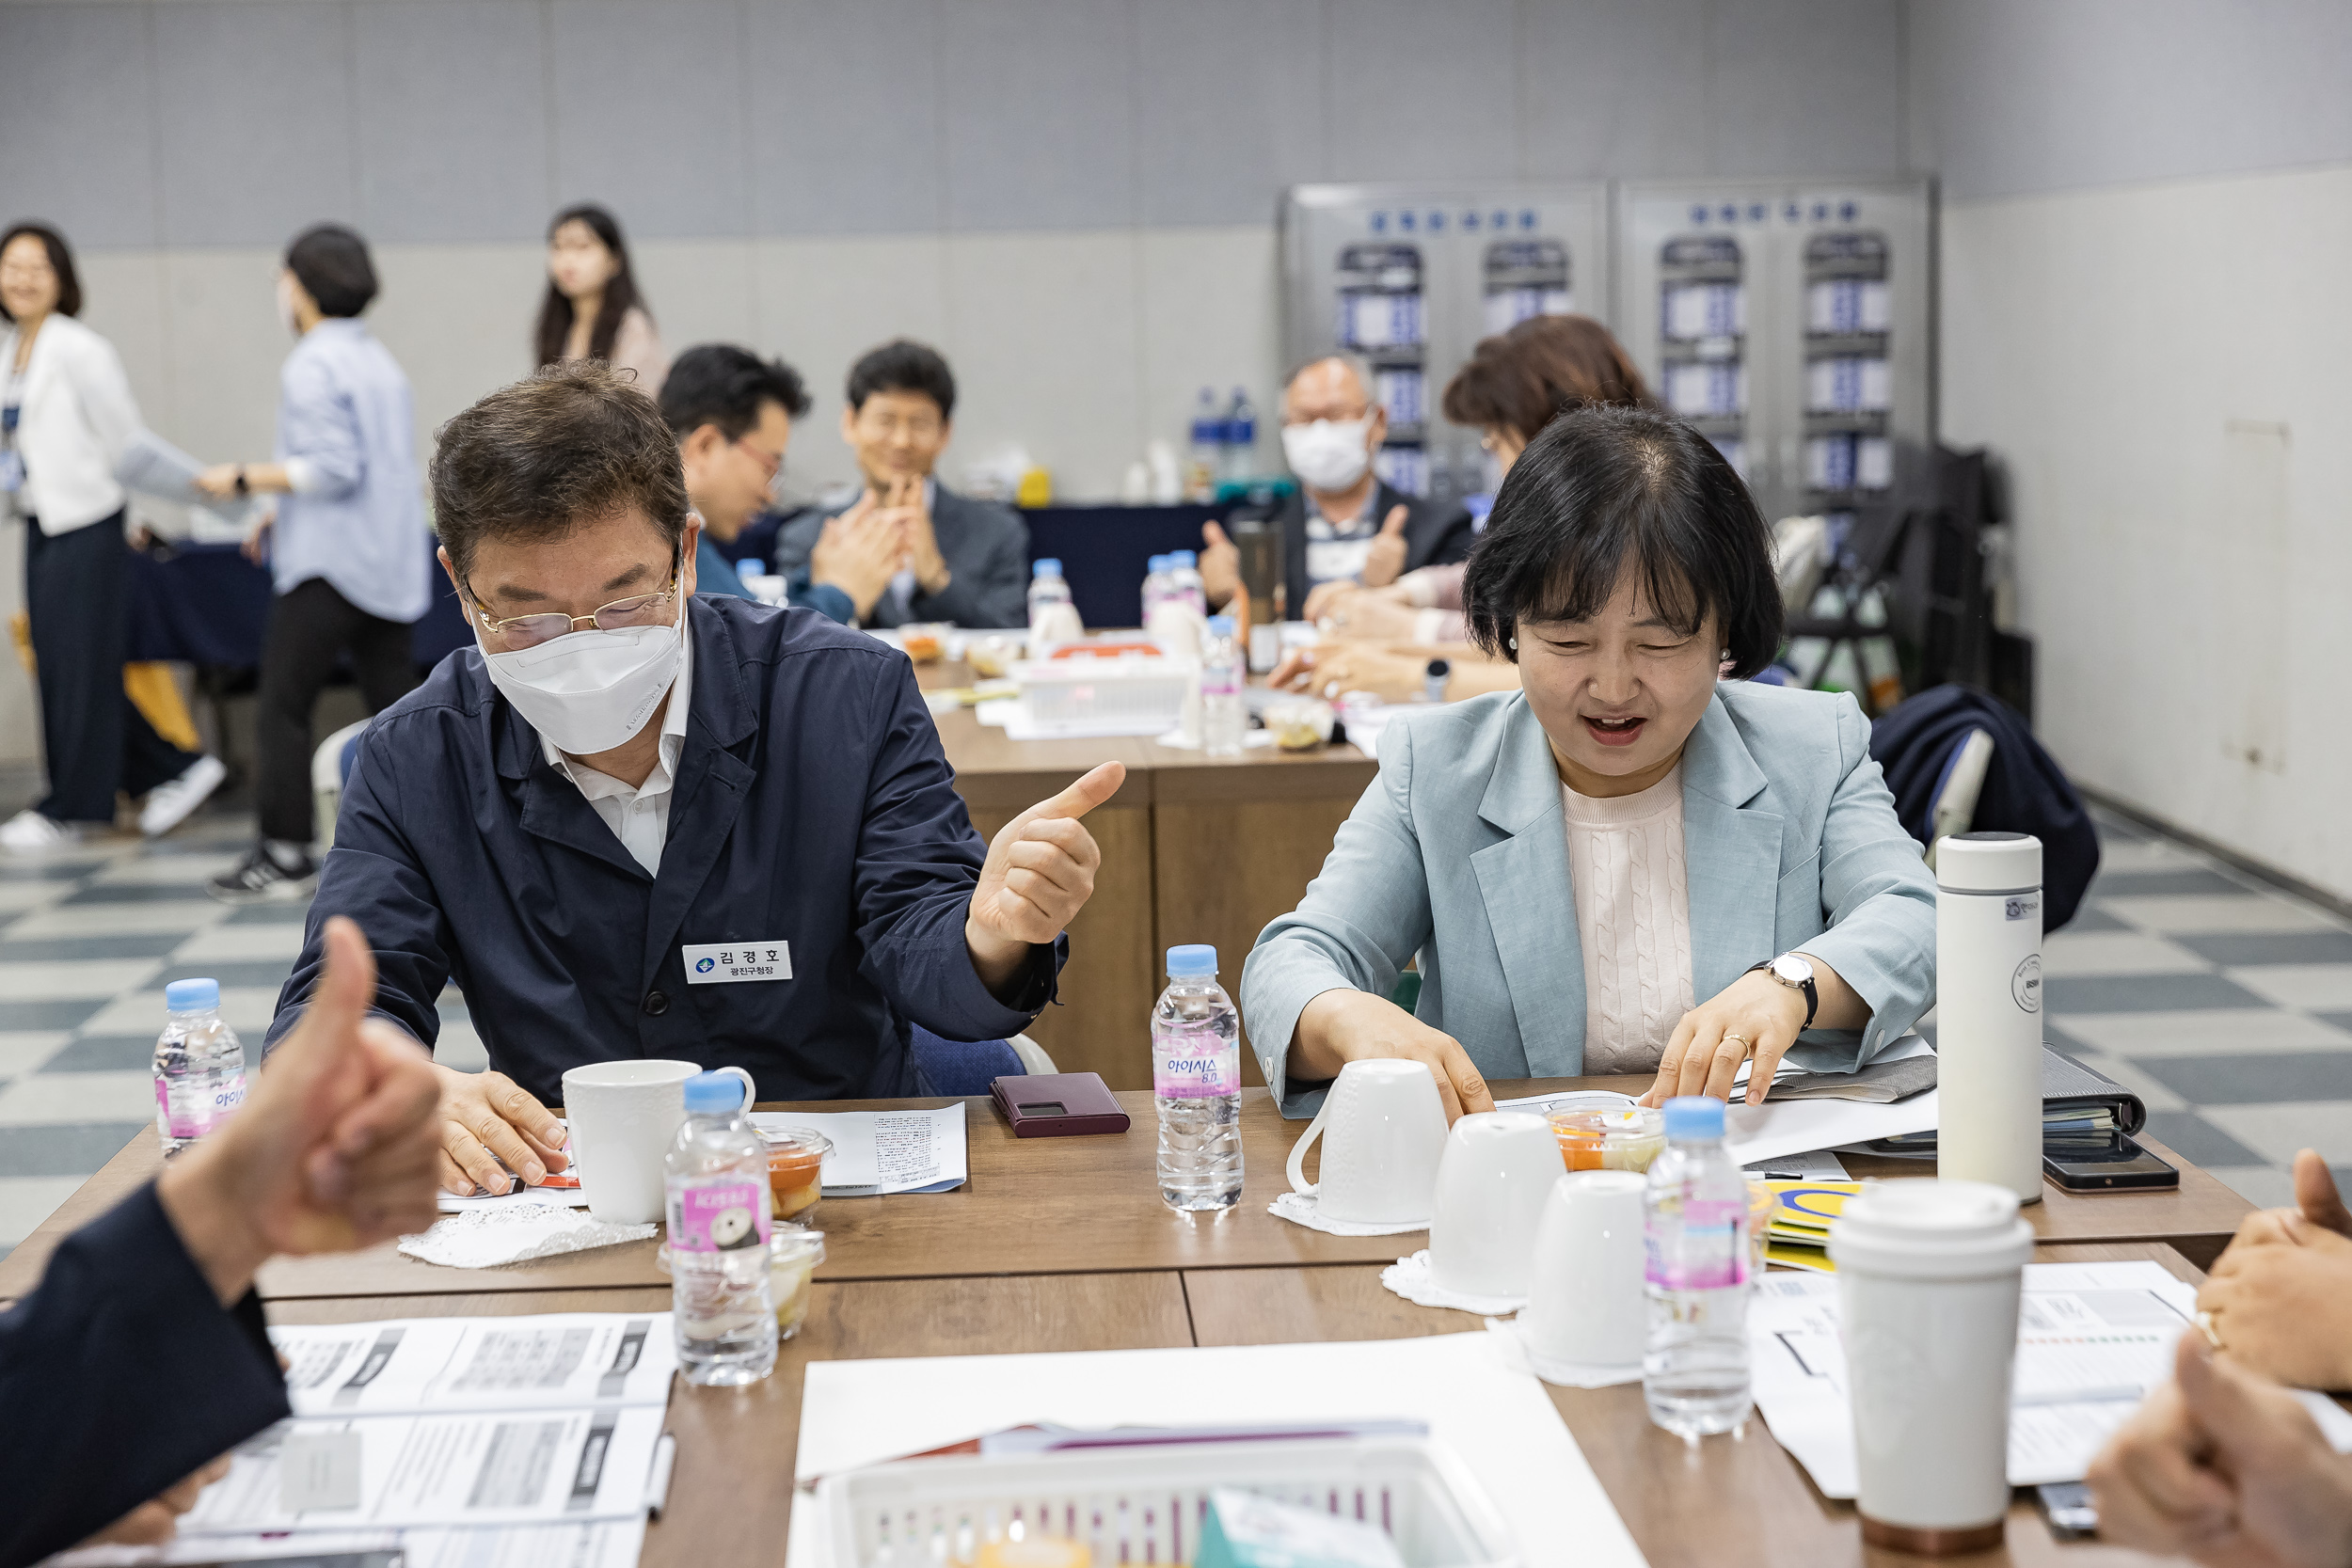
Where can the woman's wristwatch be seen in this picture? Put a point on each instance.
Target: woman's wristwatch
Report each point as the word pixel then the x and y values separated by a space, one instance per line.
pixel 243 488
pixel 1797 975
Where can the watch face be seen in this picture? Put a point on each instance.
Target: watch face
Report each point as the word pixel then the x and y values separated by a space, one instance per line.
pixel 1792 969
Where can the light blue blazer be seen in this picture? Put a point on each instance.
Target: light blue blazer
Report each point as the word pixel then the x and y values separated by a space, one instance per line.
pixel 1458 852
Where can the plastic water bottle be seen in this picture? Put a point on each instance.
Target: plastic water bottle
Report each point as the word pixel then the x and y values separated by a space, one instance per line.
pixel 1241 438
pixel 1155 587
pixel 199 1066
pixel 1196 1082
pixel 1183 582
pixel 1046 590
pixel 1694 1369
pixel 1223 721
pixel 1205 459
pixel 716 1174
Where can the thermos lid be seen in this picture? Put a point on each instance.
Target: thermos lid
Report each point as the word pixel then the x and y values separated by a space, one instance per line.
pixel 1923 1229
pixel 1988 862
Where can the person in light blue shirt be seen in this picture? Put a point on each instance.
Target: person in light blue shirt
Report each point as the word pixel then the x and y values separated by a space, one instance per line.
pixel 349 551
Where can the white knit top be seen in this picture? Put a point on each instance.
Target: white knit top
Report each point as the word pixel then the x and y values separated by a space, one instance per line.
pixel 1634 921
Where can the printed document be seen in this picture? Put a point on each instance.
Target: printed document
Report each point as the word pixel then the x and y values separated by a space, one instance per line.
pixel 884 1151
pixel 432 1365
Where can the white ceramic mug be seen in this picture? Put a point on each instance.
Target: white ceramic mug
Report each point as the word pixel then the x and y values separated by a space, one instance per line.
pixel 1383 1130
pixel 1927 1279
pixel 1585 1307
pixel 1499 1169
pixel 623 1116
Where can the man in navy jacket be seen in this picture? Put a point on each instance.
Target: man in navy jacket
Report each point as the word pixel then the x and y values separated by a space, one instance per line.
pixel 631 823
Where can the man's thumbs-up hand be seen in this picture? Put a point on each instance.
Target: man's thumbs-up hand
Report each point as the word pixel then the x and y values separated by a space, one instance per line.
pixel 1038 873
pixel 1385 563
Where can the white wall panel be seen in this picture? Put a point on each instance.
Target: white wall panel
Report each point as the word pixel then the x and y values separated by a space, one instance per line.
pixel 254 112
pixel 1230 109
pixel 1211 317
pixel 451 118
pixel 650 112
pixel 77 116
pixel 1456 121
pixel 1618 87
pixel 1037 102
pixel 844 114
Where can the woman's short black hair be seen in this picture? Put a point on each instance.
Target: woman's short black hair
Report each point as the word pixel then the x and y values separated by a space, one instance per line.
pixel 903 365
pixel 331 263
pixel 61 263
pixel 1605 490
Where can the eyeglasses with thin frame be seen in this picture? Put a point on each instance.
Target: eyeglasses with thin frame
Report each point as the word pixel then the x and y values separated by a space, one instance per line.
pixel 772 464
pixel 528 631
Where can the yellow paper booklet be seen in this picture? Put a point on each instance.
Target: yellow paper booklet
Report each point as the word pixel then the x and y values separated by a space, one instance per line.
pixel 1799 1235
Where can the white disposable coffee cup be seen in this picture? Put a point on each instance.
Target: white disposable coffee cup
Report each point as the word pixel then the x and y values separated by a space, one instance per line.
pixel 1585 1308
pixel 1383 1130
pixel 1499 1169
pixel 624 1116
pixel 1927 1279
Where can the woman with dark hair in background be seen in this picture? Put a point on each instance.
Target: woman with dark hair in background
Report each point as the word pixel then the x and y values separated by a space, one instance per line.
pixel 65 414
pixel 1631 865
pixel 593 309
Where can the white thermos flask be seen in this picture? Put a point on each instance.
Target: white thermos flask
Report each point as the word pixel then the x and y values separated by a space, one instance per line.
pixel 1987 1010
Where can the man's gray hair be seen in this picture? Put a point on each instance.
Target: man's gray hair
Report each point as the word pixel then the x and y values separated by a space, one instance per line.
pixel 1357 364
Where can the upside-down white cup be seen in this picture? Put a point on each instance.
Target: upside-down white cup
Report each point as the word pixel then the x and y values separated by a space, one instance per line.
pixel 1383 1130
pixel 1928 1280
pixel 1499 1169
pixel 1586 1306
pixel 623 1116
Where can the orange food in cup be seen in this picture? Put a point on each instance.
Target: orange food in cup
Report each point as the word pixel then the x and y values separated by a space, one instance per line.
pixel 792 1179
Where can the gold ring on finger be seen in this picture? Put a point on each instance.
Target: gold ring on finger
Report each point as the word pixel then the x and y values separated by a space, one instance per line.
pixel 1741 1038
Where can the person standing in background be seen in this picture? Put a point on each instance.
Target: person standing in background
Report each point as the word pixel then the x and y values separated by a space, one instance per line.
pixel 66 413
pixel 348 554
pixel 593 309
pixel 963 560
pixel 732 414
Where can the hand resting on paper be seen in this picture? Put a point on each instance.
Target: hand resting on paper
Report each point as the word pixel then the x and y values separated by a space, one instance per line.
pixel 491 1126
pixel 2281 1298
pixel 1753 1016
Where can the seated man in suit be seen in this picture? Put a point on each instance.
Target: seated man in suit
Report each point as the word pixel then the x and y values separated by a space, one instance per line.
pixel 961 560
pixel 1343 524
pixel 732 414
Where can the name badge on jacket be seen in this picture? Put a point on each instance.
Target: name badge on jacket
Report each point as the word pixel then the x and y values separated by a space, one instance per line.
pixel 720 963
pixel 1331 560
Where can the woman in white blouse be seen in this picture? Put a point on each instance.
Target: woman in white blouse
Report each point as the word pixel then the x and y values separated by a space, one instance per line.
pixel 593 309
pixel 65 414
pixel 1632 864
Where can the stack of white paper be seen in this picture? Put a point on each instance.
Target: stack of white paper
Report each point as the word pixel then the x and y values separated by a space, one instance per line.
pixel 884 1151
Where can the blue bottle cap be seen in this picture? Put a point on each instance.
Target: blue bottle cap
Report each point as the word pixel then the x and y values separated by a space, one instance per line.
pixel 1183 557
pixel 751 566
pixel 192 996
pixel 710 1094
pixel 1695 1115
pixel 1159 563
pixel 1221 625
pixel 1191 961
pixel 1046 567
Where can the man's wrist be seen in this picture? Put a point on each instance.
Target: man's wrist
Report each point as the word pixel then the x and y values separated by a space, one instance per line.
pixel 199 1200
pixel 999 961
pixel 935 583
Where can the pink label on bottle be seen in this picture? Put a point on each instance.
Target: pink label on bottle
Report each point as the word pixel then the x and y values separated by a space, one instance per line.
pixel 196 1116
pixel 1189 1066
pixel 1714 1250
pixel 720 1216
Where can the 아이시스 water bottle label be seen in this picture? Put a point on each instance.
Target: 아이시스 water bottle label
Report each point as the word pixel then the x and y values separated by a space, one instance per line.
pixel 720 1216
pixel 1190 1068
pixel 196 1110
pixel 1714 1249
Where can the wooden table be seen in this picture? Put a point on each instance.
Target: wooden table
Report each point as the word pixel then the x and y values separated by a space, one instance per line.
pixel 730 1494
pixel 1193 851
pixel 1087 1206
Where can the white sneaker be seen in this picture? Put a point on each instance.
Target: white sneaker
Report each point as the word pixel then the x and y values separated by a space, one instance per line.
pixel 29 833
pixel 169 803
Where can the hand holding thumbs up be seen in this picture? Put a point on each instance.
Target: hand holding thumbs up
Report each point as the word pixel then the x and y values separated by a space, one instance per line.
pixel 1038 873
pixel 1385 563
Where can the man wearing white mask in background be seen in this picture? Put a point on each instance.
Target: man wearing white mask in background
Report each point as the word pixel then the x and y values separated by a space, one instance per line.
pixel 630 822
pixel 1344 524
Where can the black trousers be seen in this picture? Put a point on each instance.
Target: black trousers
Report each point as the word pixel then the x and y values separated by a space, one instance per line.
pixel 77 590
pixel 308 626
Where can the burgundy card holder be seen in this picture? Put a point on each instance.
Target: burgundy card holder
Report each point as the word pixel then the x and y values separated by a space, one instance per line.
pixel 1058 1105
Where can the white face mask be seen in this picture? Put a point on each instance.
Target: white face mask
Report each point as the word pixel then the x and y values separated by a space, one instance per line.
pixel 1329 454
pixel 590 690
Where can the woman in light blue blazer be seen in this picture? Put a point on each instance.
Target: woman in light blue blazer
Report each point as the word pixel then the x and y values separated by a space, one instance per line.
pixel 1632 864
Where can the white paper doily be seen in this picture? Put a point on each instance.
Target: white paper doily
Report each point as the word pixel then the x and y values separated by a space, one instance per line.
pixel 489 1238
pixel 1411 1278
pixel 1511 1341
pixel 1299 1209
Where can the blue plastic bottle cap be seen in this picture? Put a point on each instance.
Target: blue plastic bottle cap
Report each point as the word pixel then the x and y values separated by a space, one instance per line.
pixel 1695 1115
pixel 1221 625
pixel 1159 563
pixel 751 566
pixel 713 1093
pixel 1046 567
pixel 1183 557
pixel 1191 960
pixel 192 996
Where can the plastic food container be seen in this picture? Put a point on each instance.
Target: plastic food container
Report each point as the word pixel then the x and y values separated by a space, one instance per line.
pixel 793 1254
pixel 993 655
pixel 1143 1504
pixel 1136 694
pixel 796 1155
pixel 1300 723
pixel 926 641
pixel 1627 1139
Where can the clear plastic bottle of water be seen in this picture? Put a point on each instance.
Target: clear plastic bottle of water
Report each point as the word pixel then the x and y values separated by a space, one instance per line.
pixel 199 1066
pixel 1241 438
pixel 1204 462
pixel 1223 718
pixel 1183 580
pixel 1694 1369
pixel 716 1174
pixel 1196 1079
pixel 1155 587
pixel 1047 589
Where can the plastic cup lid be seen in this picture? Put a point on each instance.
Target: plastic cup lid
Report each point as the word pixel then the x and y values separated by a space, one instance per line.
pixel 1988 862
pixel 786 1139
pixel 1930 1229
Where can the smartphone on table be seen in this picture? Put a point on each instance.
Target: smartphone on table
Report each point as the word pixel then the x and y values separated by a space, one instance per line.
pixel 2119 1165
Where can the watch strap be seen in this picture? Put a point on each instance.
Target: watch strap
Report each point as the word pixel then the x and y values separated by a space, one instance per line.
pixel 1811 992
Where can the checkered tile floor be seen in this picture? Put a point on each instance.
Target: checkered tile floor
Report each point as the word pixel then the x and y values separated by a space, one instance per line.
pixel 2225 1003
pixel 87 938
